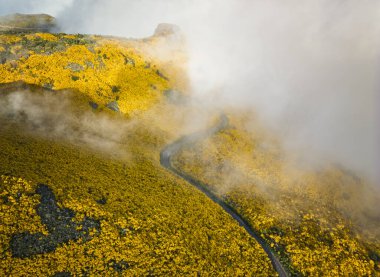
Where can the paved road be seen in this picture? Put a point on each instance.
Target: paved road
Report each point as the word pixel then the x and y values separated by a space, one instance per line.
pixel 165 159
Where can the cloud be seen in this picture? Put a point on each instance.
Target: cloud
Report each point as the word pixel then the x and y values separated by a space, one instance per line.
pixel 33 6
pixel 309 69
pixel 53 115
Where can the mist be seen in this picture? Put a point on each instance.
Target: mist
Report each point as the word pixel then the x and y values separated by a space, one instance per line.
pixel 308 69
pixel 52 115
pixel 33 6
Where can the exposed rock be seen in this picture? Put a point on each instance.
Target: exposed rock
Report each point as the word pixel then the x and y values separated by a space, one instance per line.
pixel 48 86
pixel 114 106
pixel 75 67
pixel 89 64
pixel 166 29
pixel 130 61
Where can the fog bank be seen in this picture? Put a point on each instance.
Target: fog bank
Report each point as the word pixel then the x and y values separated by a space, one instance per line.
pixel 52 116
pixel 309 69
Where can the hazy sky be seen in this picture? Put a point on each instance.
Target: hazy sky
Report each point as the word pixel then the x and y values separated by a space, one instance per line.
pixel 33 6
pixel 309 68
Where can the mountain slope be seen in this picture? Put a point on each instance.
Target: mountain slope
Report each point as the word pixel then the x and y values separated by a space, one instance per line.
pixel 82 189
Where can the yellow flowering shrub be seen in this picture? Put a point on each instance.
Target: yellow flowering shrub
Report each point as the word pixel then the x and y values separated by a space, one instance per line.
pixel 297 211
pixel 47 36
pixel 147 221
pixel 150 221
pixel 9 39
pixel 106 70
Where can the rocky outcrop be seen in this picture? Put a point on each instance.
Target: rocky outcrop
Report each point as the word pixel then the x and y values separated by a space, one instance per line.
pixel 166 29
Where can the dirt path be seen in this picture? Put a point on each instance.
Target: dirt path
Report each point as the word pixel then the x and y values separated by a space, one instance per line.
pixel 172 149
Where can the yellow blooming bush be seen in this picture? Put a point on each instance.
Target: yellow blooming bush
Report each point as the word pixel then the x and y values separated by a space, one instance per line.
pixel 297 211
pixel 106 70
pixel 150 223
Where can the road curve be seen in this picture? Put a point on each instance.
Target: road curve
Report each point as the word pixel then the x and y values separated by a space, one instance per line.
pixel 165 159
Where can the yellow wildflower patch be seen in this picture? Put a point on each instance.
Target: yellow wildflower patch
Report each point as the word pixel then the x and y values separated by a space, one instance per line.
pixel 298 212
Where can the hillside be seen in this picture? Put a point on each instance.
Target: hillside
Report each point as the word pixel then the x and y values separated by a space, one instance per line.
pixel 16 23
pixel 84 123
pixel 313 218
pixel 68 209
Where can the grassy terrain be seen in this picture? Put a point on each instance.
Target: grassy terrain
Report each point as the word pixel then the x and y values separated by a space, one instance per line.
pixel 305 215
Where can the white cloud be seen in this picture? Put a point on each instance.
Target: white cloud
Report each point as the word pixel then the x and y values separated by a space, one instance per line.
pixel 309 68
pixel 33 6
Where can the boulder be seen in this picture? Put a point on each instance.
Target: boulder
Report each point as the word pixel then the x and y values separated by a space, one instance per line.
pixel 166 29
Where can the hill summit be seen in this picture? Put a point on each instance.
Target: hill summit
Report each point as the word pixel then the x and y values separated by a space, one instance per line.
pixel 27 23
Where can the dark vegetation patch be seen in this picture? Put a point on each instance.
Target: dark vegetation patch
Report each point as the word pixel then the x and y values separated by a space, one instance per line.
pixel 118 266
pixel 115 89
pixel 58 221
pixel 74 78
pixel 20 49
pixel 159 73
pixel 375 257
pixel 93 105
pixel 62 274
pixel 102 201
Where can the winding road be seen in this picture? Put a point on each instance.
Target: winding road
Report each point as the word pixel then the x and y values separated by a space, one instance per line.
pixel 172 149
